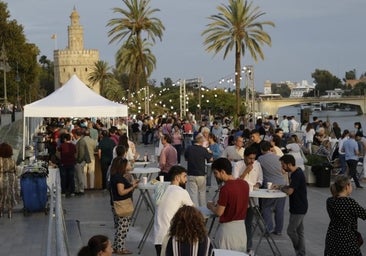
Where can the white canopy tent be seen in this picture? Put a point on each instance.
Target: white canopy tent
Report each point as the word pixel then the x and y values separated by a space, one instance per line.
pixel 73 99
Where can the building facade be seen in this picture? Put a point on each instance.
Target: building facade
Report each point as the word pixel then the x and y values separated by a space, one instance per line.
pixel 74 59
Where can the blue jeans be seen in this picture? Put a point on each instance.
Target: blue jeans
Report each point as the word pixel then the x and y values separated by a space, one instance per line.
pixel 295 231
pixel 276 205
pixel 352 168
pixel 343 164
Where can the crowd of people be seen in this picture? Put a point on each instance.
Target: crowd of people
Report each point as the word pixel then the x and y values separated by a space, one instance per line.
pixel 241 159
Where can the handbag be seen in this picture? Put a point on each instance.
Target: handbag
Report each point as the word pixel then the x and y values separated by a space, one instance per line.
pixel 303 156
pixel 359 239
pixel 123 208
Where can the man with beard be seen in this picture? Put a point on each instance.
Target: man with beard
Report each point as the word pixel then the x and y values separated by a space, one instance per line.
pixel 231 207
pixel 168 200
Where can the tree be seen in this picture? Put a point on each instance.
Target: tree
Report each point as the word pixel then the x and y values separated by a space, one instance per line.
pixel 350 75
pixel 324 80
pixel 101 73
pixel 46 77
pixel 127 61
pixel 237 26
pixel 135 21
pixel 282 89
pixel 22 59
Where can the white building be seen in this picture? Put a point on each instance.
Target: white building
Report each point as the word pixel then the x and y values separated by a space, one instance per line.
pixel 300 89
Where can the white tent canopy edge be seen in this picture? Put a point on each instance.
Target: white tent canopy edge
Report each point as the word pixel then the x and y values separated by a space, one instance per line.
pixel 73 99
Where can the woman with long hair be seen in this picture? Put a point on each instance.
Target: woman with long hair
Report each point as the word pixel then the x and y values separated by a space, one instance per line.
pixel 343 211
pixel 309 136
pixel 187 234
pixel 177 139
pixel 8 180
pixel 98 245
pixel 358 127
pixel 294 149
pixel 131 153
pixel 121 189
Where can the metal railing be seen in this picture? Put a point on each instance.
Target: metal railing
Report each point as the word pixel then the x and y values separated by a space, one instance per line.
pixel 57 245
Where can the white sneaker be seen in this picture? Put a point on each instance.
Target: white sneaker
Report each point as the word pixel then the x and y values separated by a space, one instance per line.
pixel 250 252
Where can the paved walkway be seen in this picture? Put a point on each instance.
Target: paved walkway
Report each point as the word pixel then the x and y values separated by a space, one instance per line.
pixel 27 235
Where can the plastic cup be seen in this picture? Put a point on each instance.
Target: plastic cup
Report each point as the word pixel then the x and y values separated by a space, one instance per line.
pixel 161 178
pixel 269 185
pixel 144 180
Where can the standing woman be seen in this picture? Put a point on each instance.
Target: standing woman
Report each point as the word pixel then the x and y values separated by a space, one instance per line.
pixel 358 127
pixel 177 139
pixel 294 149
pixel 343 211
pixel 309 136
pixel 121 189
pixel 187 234
pixel 8 180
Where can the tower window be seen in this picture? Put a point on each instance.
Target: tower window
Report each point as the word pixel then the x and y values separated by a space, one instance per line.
pixel 74 69
pixel 86 69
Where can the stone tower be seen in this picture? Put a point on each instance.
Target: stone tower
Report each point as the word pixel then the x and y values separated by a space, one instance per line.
pixel 74 59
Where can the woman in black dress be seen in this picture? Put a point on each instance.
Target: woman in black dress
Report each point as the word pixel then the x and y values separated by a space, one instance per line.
pixel 343 211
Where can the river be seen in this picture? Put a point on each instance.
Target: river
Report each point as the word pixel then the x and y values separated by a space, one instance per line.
pixel 345 122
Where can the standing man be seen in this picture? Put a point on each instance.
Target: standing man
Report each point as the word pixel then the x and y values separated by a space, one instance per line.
pixel 196 156
pixel 272 172
pixel 168 202
pixel 350 148
pixel 82 158
pixel 256 139
pixel 216 129
pixel 168 157
pixel 231 207
pixel 235 152
pixel 89 168
pixel 298 203
pixel 284 125
pixel 249 170
pixel 105 153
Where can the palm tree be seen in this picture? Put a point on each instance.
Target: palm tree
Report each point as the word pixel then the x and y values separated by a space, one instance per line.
pixel 127 61
pixel 135 20
pixel 101 73
pixel 236 25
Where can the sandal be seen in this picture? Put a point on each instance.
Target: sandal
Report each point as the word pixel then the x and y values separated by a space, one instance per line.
pixel 125 251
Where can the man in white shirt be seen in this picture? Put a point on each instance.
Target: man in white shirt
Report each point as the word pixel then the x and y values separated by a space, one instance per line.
pixel 235 152
pixel 284 125
pixel 249 170
pixel 168 203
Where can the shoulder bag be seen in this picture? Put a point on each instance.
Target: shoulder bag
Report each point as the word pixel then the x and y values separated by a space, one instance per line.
pixel 123 208
pixel 303 156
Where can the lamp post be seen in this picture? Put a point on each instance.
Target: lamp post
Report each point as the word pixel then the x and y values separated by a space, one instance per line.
pixel 5 68
pixel 197 83
pixel 182 97
pixel 249 86
pixel 17 79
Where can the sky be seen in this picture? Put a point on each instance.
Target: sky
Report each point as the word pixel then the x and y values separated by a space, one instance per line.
pixel 308 35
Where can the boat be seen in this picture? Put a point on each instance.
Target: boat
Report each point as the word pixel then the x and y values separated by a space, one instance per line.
pixel 334 113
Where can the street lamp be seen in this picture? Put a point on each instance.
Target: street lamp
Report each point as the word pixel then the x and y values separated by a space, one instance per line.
pixel 6 68
pixel 249 83
pixel 17 79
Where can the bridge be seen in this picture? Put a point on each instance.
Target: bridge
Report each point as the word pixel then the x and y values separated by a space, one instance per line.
pixel 271 106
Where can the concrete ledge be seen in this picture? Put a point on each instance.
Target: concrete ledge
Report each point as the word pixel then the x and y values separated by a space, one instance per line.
pixel 73 236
